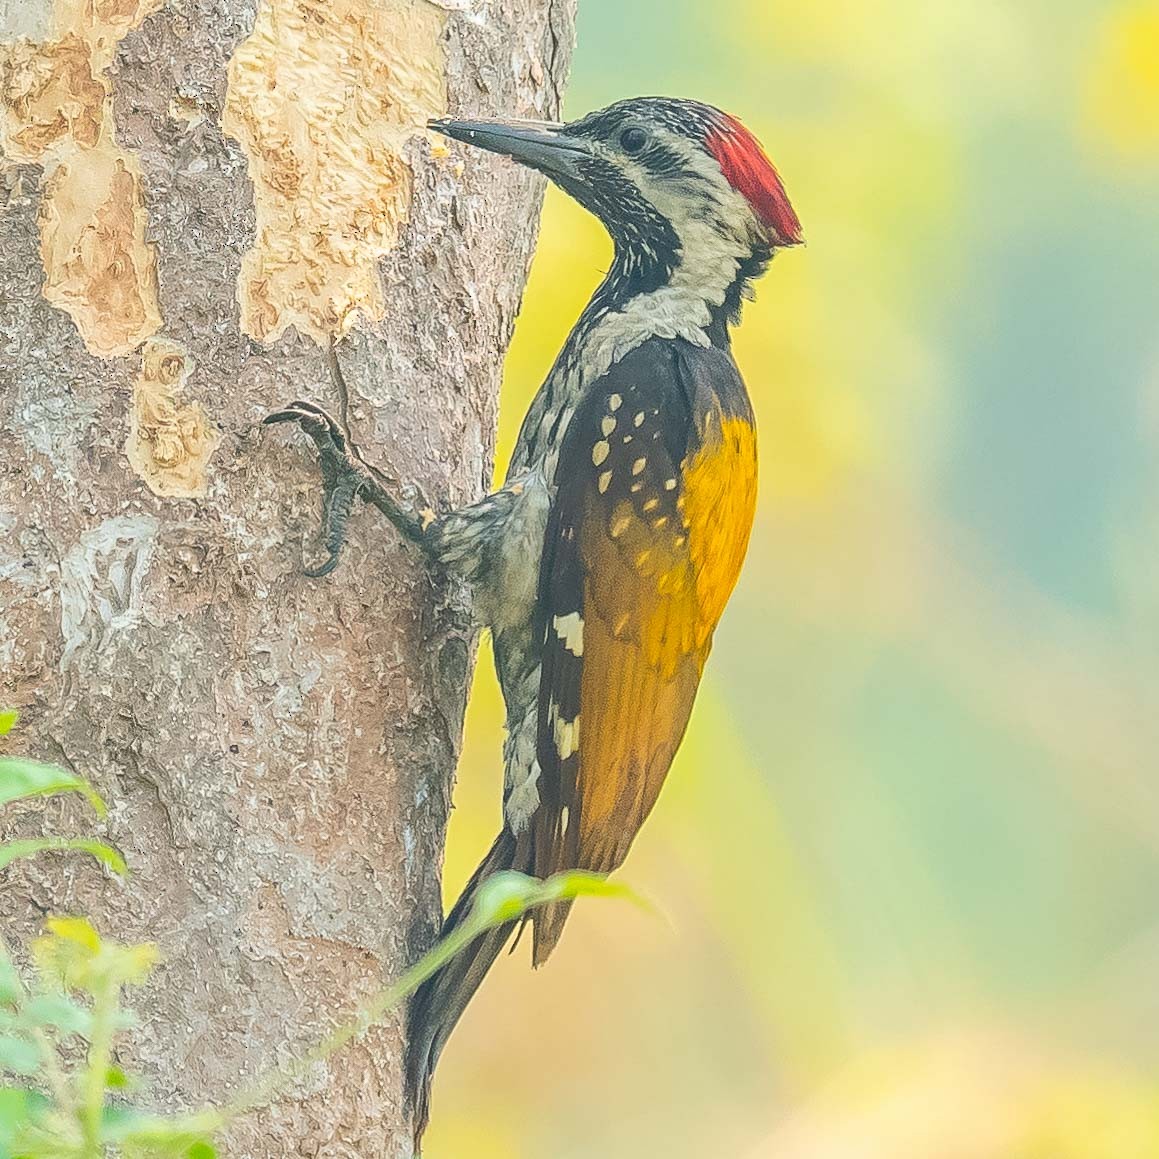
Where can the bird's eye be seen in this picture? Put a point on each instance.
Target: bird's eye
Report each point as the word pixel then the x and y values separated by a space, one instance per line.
pixel 634 139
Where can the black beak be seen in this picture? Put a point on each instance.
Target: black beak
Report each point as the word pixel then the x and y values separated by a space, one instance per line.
pixel 541 145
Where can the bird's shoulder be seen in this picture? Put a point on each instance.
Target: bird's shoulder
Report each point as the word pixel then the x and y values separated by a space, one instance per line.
pixel 686 378
pixel 655 489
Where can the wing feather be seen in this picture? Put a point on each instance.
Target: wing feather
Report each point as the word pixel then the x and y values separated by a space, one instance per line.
pixel 656 487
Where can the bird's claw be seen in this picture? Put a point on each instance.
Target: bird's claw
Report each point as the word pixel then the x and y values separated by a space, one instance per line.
pixel 344 474
pixel 326 431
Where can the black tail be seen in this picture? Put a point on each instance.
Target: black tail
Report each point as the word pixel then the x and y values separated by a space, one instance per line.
pixel 440 1001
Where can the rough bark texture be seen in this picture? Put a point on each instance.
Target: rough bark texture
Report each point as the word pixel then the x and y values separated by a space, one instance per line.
pixel 278 752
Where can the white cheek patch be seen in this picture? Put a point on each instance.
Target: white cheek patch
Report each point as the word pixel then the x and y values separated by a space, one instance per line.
pixel 570 629
pixel 712 245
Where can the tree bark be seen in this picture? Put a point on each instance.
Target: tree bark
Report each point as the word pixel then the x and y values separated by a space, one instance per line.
pixel 196 196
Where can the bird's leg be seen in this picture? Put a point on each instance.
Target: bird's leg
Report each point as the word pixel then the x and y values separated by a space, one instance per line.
pixel 458 541
pixel 347 475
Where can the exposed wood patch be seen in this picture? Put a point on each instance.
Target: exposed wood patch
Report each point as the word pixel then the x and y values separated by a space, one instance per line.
pixel 170 441
pixel 323 96
pixel 56 110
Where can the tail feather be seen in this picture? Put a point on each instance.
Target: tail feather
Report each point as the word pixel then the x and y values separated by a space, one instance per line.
pixel 439 1003
pixel 548 927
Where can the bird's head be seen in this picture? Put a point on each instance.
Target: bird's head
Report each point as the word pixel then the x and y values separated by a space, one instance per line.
pixel 685 190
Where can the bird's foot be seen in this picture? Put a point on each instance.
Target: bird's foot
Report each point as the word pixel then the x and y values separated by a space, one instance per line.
pixel 345 475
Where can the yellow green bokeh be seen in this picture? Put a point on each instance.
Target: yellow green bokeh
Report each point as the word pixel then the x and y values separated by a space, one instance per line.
pixel 909 853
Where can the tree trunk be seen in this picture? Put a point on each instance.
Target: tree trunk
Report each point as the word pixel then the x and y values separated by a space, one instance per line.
pixel 194 200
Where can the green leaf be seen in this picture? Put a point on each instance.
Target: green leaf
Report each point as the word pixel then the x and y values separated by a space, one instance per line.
pixel 504 897
pixel 57 1011
pixel 40 1131
pixel 18 1108
pixel 582 883
pixel 182 1136
pixel 20 778
pixel 73 954
pixel 133 964
pixel 8 718
pixel 77 932
pixel 15 1110
pixel 68 952
pixel 18 1054
pixel 10 987
pixel 116 1079
pixel 12 850
pixel 136 1134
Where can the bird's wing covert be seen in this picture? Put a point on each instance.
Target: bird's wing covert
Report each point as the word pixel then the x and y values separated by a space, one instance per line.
pixel 656 490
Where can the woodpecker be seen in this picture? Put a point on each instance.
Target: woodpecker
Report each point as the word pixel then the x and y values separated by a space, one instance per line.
pixel 604 563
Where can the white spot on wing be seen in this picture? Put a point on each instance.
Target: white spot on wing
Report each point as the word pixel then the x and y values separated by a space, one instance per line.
pixel 570 629
pixel 600 452
pixel 565 733
pixel 567 737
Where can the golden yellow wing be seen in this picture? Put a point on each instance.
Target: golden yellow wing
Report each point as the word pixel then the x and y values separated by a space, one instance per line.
pixel 656 493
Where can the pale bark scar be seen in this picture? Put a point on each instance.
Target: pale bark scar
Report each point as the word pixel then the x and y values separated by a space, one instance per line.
pixel 170 441
pixel 323 96
pixel 56 110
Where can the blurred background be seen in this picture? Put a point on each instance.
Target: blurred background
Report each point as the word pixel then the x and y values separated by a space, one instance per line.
pixel 908 856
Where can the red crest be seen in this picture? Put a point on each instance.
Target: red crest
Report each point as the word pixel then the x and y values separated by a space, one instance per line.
pixel 751 173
